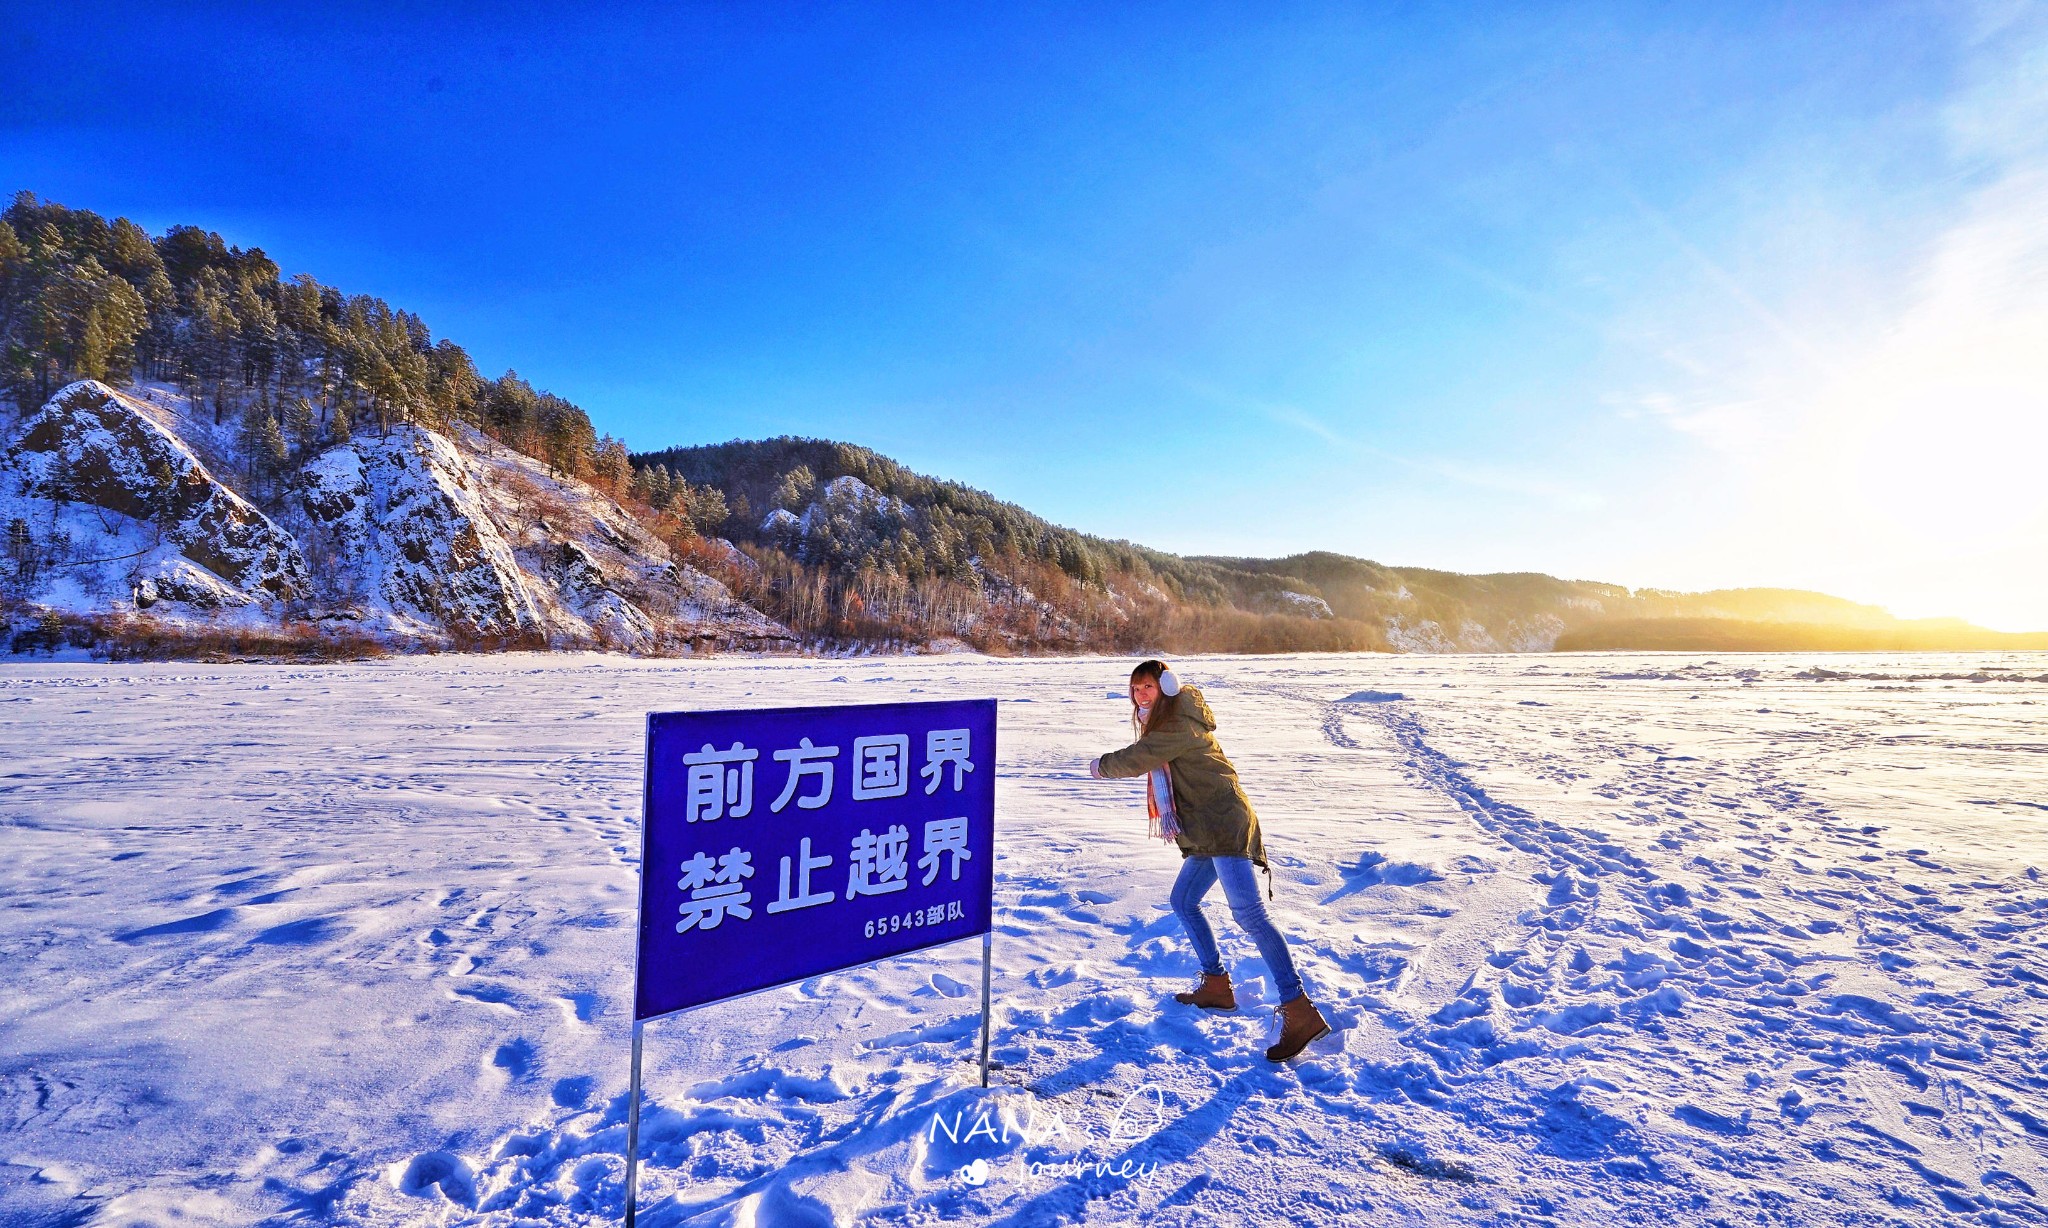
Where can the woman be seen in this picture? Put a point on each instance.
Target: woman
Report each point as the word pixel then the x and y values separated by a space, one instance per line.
pixel 1193 798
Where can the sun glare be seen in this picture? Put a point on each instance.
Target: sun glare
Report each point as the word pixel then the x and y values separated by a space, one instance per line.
pixel 1915 461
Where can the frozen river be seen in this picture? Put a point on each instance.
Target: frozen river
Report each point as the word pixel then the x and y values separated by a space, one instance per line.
pixel 1651 939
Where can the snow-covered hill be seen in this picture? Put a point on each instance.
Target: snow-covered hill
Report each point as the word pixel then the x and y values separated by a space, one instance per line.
pixel 120 519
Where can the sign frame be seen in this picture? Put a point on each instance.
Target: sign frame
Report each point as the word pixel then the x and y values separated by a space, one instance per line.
pixel 987 934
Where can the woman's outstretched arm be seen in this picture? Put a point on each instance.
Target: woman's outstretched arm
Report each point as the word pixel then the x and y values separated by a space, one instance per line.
pixel 1155 749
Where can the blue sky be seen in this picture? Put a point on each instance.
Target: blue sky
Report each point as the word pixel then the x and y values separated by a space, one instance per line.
pixel 1684 296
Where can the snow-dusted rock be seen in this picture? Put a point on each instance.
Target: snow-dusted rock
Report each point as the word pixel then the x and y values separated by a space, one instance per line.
pixel 1021 615
pixel 407 530
pixel 591 591
pixel 1287 601
pixel 1537 633
pixel 183 582
pixel 845 519
pixel 1418 635
pixel 115 509
pixel 601 579
pixel 108 507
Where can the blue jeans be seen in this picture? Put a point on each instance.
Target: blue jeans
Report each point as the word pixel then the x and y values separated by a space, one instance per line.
pixel 1241 892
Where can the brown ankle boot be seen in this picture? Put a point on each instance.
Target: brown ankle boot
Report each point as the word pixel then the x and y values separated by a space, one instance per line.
pixel 1214 994
pixel 1300 1023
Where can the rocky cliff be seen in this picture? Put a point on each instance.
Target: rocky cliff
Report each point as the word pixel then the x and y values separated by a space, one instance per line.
pixel 118 515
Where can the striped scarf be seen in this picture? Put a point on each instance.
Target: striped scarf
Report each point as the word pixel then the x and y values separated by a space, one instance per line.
pixel 1163 823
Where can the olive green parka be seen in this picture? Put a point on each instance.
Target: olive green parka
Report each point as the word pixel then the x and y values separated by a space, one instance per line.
pixel 1216 819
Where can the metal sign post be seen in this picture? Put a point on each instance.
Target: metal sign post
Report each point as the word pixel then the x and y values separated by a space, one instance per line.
pixel 633 1130
pixel 780 844
pixel 987 938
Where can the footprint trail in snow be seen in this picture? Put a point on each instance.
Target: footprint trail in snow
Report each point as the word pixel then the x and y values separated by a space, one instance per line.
pixel 1746 939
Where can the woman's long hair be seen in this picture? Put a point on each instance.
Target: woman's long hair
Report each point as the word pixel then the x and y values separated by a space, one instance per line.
pixel 1164 707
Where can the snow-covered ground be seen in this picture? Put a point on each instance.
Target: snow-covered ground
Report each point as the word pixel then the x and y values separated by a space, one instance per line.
pixel 1645 939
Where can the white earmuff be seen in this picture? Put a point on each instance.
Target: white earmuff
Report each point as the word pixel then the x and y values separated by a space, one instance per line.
pixel 1168 684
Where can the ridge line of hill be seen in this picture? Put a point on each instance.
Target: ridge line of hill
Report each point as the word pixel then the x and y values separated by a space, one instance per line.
pixel 198 454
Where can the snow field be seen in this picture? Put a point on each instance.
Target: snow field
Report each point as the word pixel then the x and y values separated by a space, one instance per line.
pixel 1647 938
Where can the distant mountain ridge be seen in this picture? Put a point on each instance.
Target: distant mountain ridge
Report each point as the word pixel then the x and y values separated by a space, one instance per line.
pixel 122 535
pixel 855 519
pixel 200 456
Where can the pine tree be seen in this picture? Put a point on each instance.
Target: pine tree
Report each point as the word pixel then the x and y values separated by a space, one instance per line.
pixel 187 251
pixel 215 333
pixel 121 315
pixel 794 493
pixel 160 335
pixel 259 340
pixel 131 254
pixel 299 424
pixel 405 371
pixel 651 486
pixel 613 469
pixel 705 504
pixel 361 381
pixel 512 412
pixel 567 440
pixel 302 313
pixel 13 268
pixel 455 388
pixel 263 444
pixel 93 347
